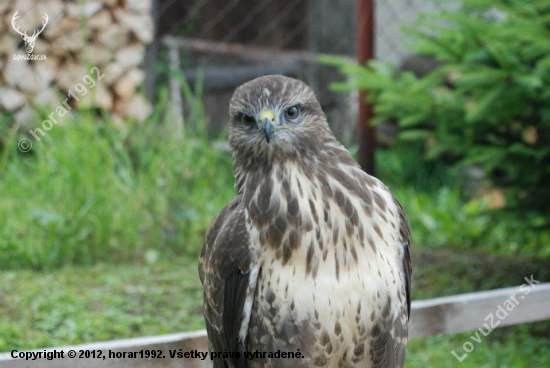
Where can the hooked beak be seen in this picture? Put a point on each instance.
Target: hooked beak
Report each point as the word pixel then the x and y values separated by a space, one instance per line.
pixel 267 117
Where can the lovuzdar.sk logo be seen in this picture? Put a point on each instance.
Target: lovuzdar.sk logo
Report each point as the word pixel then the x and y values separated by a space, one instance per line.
pixel 29 40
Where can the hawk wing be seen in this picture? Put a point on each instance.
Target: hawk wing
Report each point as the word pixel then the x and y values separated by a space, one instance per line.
pixel 225 271
pixel 405 238
pixel 389 349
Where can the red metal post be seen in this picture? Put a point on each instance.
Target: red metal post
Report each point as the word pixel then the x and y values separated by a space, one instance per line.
pixel 365 52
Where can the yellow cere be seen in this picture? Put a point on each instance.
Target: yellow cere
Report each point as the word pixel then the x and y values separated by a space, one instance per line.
pixel 267 114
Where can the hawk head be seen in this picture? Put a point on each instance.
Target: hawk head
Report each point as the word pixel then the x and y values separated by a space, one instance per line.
pixel 275 118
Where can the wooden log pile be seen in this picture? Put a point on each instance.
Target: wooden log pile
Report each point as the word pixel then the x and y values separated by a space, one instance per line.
pixel 105 40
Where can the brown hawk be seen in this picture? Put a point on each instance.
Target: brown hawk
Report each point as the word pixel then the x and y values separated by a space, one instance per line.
pixel 309 265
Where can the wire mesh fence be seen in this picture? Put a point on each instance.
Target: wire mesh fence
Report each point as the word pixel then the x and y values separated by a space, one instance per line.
pixel 221 43
pixel 325 25
pixel 233 41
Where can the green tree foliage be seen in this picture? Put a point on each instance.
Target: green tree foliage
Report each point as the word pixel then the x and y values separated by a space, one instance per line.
pixel 488 103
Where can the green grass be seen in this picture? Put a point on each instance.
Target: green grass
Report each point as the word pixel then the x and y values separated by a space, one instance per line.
pixel 88 193
pixel 512 347
pixel 447 272
pixel 79 304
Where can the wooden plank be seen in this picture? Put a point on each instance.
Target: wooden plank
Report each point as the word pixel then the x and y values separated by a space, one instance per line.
pixel 365 52
pixel 468 312
pixel 175 93
pixel 450 314
pixel 243 51
pixel 232 76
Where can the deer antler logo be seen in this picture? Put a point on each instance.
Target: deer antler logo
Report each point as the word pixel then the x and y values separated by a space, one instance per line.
pixel 29 40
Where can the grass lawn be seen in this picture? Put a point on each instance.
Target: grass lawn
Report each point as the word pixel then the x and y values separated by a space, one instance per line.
pixel 79 304
pixel 75 304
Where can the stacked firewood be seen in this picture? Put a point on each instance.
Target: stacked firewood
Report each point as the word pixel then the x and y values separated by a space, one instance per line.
pixel 104 40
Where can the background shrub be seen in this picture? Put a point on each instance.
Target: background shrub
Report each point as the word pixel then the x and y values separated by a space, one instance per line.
pixel 488 104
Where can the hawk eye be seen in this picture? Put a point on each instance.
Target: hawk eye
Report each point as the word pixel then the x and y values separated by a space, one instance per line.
pixel 292 112
pixel 247 120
